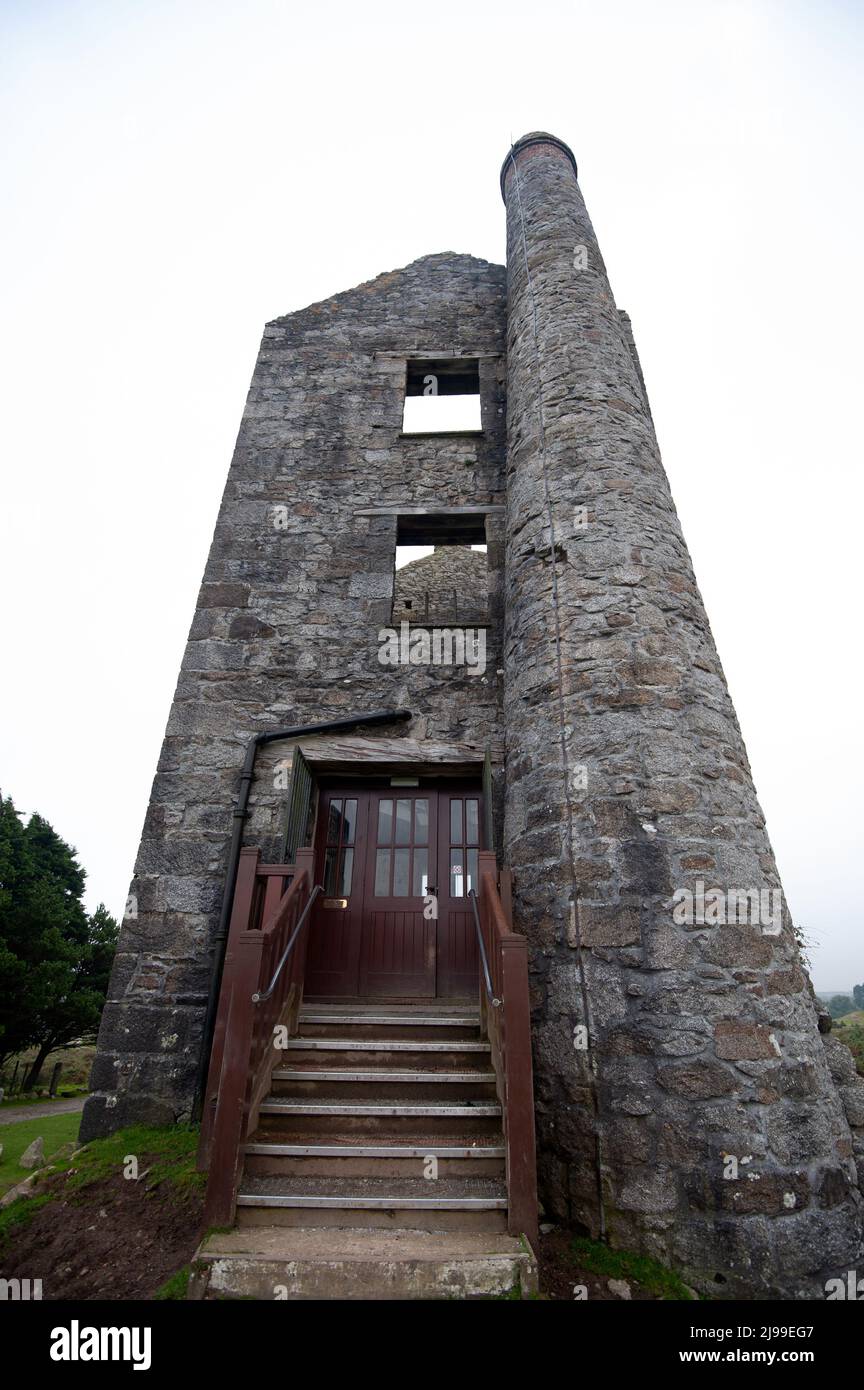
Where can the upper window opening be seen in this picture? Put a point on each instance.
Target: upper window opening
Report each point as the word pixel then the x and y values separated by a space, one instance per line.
pixel 442 568
pixel 442 396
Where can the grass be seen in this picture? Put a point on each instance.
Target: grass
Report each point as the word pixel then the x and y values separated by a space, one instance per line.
pixel 177 1286
pixel 621 1264
pixel 56 1130
pixel 92 1178
pixel 170 1158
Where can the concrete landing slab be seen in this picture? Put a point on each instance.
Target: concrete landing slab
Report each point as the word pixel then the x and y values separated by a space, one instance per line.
pixel 278 1263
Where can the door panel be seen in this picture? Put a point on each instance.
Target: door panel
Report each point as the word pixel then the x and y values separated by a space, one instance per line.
pixel 397 954
pixel 459 823
pixel 337 917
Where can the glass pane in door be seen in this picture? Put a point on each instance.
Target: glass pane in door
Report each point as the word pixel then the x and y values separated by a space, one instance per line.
pixel 420 881
pixel 400 872
pixel 457 873
pixel 403 821
pixel 382 873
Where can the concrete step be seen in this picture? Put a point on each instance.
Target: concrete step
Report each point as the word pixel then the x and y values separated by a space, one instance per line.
pixel 374 1159
pixel 276 1263
pixel 343 1119
pixel 365 1083
pixel 374 1203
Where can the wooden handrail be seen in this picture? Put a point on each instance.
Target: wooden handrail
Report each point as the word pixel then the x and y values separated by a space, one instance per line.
pixel 509 1032
pixel 263 918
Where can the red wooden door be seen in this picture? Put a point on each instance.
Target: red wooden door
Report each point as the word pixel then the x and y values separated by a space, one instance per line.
pixel 333 958
pixel 397 954
pixel 459 830
pixel 395 920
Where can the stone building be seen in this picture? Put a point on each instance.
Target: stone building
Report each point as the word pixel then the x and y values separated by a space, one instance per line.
pixel 448 586
pixel 686 1102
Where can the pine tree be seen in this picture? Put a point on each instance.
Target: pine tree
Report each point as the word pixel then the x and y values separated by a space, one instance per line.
pixel 54 959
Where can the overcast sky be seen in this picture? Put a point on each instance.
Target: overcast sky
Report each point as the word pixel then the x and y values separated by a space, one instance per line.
pixel 172 175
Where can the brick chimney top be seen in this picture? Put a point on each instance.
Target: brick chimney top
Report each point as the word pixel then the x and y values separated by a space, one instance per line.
pixel 535 137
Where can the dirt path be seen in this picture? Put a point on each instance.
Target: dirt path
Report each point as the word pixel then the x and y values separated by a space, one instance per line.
pixel 36 1112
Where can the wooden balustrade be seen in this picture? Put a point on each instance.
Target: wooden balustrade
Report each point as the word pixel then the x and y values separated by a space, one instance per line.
pixel 268 902
pixel 508 1028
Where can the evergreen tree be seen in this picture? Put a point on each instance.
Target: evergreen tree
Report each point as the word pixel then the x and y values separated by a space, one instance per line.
pixel 54 959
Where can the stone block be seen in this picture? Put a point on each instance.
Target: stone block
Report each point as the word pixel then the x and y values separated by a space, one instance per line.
pixel 609 924
pixel 697 1080
pixel 736 1041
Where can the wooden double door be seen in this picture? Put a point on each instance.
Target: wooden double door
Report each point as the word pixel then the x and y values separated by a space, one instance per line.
pixel 394 920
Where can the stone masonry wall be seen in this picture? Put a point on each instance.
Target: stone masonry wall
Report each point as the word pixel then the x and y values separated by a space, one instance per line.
pixel 285 630
pixel 627 779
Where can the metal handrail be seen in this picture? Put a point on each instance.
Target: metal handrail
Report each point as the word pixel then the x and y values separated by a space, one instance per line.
pixel 496 1003
pixel 259 998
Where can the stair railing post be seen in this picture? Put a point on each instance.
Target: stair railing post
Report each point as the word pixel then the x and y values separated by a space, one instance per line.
pixel 240 979
pixel 241 913
pixel 519 1129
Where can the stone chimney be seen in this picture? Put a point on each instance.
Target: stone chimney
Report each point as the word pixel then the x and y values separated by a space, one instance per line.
pixel 685 1103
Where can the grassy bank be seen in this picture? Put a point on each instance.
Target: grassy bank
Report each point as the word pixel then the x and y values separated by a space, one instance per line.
pixel 56 1130
pixel 120 1219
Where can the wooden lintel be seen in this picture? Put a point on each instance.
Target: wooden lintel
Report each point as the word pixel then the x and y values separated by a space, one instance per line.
pixel 392 751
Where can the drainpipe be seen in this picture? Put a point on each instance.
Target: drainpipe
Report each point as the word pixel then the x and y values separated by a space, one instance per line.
pixel 382 716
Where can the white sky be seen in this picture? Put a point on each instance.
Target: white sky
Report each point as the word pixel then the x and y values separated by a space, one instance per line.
pixel 172 175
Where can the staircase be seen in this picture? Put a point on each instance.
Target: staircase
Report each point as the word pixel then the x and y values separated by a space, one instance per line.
pixel 377 1169
pixel 364 1150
